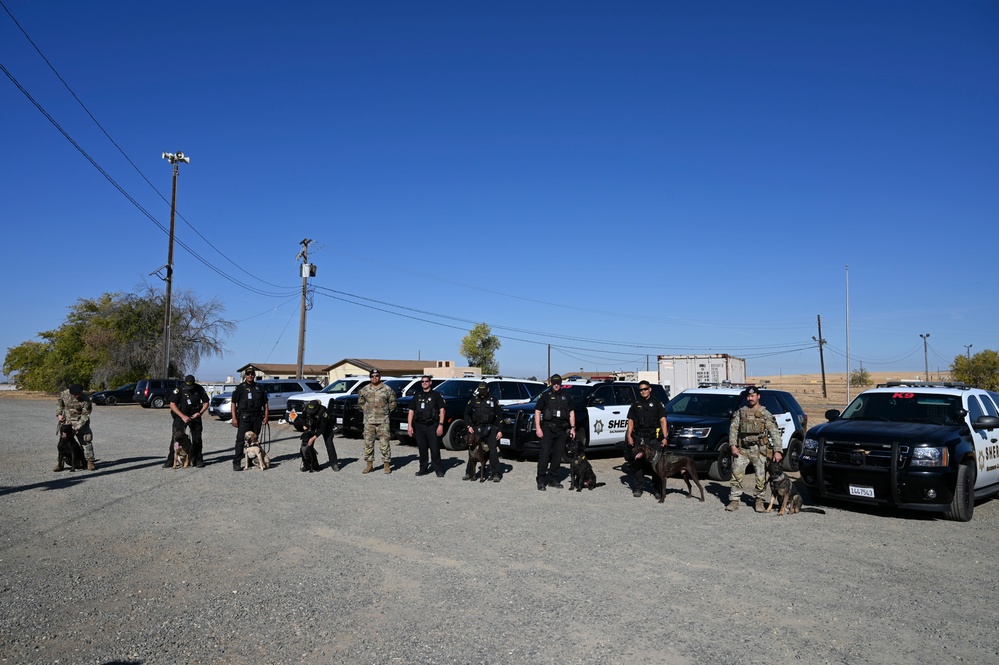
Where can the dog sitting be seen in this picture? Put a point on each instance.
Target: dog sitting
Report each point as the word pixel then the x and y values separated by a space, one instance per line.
pixel 252 450
pixel 782 488
pixel 69 450
pixel 666 465
pixel 478 455
pixel 581 472
pixel 182 447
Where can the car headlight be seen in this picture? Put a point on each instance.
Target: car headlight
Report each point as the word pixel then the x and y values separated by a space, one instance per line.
pixel 930 457
pixel 810 448
pixel 694 432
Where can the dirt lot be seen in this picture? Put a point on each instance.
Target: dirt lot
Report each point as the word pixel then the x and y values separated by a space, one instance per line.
pixel 134 563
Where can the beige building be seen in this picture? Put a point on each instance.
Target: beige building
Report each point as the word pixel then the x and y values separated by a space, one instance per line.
pixel 436 368
pixel 284 371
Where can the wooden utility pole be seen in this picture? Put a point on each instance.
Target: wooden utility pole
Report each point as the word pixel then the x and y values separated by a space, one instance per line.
pixel 307 272
pixel 822 358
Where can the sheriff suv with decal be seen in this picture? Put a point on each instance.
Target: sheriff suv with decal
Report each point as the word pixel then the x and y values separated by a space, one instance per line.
pixel 924 446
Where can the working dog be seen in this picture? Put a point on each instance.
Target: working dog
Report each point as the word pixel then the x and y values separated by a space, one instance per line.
pixel 182 448
pixel 69 450
pixel 782 488
pixel 581 472
pixel 478 455
pixel 666 465
pixel 310 458
pixel 252 450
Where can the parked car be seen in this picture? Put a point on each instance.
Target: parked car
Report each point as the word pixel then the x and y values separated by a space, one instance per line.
pixel 348 415
pixel 334 391
pixel 278 391
pixel 122 395
pixel 456 393
pixel 155 392
pixel 699 419
pixel 925 446
pixel 601 409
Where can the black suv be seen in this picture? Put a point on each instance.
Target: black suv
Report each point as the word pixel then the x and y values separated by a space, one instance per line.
pixel 699 418
pixel 601 409
pixel 927 446
pixel 155 392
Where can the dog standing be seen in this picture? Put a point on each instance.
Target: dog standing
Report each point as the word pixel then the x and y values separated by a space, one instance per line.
pixel 182 448
pixel 667 465
pixel 251 450
pixel 581 472
pixel 69 450
pixel 478 455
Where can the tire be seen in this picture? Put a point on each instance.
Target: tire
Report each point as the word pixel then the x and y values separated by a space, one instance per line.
pixel 157 402
pixel 721 469
pixel 793 456
pixel 110 400
pixel 454 439
pixel 962 506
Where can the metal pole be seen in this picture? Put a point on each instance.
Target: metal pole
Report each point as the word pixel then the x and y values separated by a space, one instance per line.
pixel 169 275
pixel 968 347
pixel 848 333
pixel 926 356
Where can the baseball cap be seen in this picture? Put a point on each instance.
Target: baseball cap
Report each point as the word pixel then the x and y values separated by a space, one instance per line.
pixel 556 378
pixel 189 378
pixel 752 390
pixel 76 389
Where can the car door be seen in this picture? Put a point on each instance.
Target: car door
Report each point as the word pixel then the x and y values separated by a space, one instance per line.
pixel 986 442
pixel 785 421
pixel 608 419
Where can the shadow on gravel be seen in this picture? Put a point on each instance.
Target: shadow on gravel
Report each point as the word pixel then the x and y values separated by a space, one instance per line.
pixel 68 478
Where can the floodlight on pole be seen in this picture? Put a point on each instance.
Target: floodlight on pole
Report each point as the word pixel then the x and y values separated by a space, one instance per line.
pixel 175 158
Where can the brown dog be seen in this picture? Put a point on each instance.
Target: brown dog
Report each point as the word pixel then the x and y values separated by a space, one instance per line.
pixel 782 487
pixel 478 455
pixel 667 465
pixel 181 449
pixel 252 450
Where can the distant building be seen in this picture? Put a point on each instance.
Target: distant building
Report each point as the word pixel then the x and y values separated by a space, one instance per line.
pixel 436 368
pixel 285 371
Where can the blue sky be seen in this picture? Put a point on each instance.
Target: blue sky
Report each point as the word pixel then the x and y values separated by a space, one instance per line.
pixel 617 180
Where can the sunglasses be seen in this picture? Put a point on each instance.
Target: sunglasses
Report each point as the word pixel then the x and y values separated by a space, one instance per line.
pixel 644 390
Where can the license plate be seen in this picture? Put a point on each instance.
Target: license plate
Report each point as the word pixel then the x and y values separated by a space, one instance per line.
pixel 291 416
pixel 861 490
pixel 339 421
pixel 403 427
pixel 504 442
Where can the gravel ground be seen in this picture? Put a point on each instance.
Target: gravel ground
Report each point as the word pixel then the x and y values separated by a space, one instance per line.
pixel 134 563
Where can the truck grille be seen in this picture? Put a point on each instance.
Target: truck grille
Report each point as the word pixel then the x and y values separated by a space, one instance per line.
pixel 858 455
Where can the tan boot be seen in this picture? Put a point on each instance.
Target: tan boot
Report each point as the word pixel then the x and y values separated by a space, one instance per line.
pixel 58 466
pixel 388 467
pixel 732 505
pixel 90 465
pixel 368 468
pixel 759 505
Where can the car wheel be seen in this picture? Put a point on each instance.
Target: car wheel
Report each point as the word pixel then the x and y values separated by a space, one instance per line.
pixel 110 400
pixel 455 437
pixel 962 506
pixel 792 456
pixel 158 402
pixel 721 469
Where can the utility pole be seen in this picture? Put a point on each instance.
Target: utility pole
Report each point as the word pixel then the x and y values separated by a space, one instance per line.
pixel 307 271
pixel 175 159
pixel 968 347
pixel 549 361
pixel 926 355
pixel 822 358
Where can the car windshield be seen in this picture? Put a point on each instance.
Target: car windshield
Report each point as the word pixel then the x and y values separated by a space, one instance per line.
pixel 341 386
pixel 457 388
pixel 902 406
pixel 418 386
pixel 397 385
pixel 577 393
pixel 703 404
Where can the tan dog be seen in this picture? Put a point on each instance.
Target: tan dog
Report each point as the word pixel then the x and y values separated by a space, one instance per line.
pixel 181 450
pixel 252 449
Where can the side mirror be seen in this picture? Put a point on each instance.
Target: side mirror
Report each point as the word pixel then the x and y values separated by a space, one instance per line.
pixel 832 414
pixel 987 422
pixel 596 401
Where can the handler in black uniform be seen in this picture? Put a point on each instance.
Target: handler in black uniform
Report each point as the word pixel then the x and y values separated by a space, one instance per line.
pixel 646 426
pixel 187 404
pixel 317 421
pixel 249 412
pixel 483 416
pixel 426 424
pixel 554 423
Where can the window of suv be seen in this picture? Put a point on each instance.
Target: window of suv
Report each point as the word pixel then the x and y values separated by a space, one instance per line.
pixel 340 386
pixel 457 388
pixel 771 403
pixel 701 404
pixel 901 407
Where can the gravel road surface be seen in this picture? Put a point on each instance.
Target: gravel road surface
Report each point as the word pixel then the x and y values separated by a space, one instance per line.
pixel 133 563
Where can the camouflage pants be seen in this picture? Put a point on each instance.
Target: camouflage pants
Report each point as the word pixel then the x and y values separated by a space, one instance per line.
pixel 86 439
pixel 379 432
pixel 746 455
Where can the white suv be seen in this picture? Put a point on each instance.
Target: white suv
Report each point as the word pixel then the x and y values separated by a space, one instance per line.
pixel 348 385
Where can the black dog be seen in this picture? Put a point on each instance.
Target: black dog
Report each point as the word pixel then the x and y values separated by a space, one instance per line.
pixel 782 488
pixel 310 459
pixel 580 470
pixel 666 465
pixel 478 455
pixel 69 450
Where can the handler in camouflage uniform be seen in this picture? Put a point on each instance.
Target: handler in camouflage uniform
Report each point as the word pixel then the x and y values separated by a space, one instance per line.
pixel 376 401
pixel 754 438
pixel 74 410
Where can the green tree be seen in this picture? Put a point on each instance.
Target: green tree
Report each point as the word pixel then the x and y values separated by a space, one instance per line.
pixel 980 371
pixel 860 377
pixel 479 348
pixel 118 338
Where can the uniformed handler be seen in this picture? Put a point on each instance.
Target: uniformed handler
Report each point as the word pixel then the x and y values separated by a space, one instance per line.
pixel 74 410
pixel 483 417
pixel 188 404
pixel 318 423
pixel 755 438
pixel 646 426
pixel 554 423
pixel 426 425
pixel 249 412
pixel 376 401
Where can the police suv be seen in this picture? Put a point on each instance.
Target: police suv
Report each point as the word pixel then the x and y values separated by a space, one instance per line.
pixel 922 445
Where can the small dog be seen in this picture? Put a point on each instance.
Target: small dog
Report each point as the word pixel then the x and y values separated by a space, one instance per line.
pixel 182 447
pixel 69 449
pixel 478 455
pixel 252 450
pixel 310 458
pixel 667 465
pixel 783 488
pixel 581 472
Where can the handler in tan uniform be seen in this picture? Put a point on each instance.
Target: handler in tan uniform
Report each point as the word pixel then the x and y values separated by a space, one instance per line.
pixel 755 438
